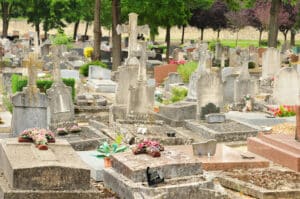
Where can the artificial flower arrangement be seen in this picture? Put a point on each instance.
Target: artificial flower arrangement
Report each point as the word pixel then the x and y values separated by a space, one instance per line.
pixel 283 111
pixel 152 148
pixel 40 137
pixel 179 62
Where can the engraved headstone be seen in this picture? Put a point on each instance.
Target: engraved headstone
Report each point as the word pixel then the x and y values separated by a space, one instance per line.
pixel 29 106
pixel 271 63
pixel 61 105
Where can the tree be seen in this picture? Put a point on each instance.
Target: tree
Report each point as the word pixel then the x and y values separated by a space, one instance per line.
pixel 237 20
pixel 74 13
pixel 97 30
pixel 217 16
pixel 287 18
pixel 9 8
pixel 116 39
pixel 200 19
pixel 261 17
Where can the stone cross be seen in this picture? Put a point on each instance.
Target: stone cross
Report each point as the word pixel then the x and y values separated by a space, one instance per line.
pixel 32 62
pixel 133 30
pixel 143 60
pixel 56 57
pixel 297 133
pixel 203 55
pixel 244 74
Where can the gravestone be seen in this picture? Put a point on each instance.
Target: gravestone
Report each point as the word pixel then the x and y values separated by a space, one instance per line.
pixel 271 63
pixel 244 85
pixel 286 87
pixel 99 80
pixel 65 73
pixel 201 69
pixel 96 72
pixel 27 172
pixel 45 47
pixel 173 78
pixel 234 57
pixel 209 91
pixel 141 96
pixel 207 148
pixel 29 106
pixel 60 96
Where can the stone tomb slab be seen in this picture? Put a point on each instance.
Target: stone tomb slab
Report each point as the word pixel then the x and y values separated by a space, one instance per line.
pixel 227 158
pixel 102 86
pixel 228 131
pixel 279 148
pixel 58 168
pixel 84 140
pixel 263 183
pixel 175 161
pixel 95 164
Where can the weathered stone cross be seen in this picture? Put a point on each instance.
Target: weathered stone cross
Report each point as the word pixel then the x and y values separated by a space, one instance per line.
pixel 32 62
pixel 133 30
pixel 56 57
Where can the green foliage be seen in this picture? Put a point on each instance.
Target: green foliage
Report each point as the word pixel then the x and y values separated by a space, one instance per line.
pixel 61 39
pixel 106 150
pixel 84 69
pixel 265 43
pixel 178 94
pixel 186 70
pixel 19 82
pixel 7 103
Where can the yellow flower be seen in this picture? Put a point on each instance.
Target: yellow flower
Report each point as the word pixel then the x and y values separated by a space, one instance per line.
pixel 87 52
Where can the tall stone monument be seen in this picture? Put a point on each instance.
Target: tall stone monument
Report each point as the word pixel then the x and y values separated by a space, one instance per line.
pixel 29 106
pixel 128 72
pixel 271 63
pixel 61 106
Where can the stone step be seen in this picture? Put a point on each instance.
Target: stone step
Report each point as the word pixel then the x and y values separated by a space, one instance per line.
pixel 58 168
pixel 282 141
pixel 274 153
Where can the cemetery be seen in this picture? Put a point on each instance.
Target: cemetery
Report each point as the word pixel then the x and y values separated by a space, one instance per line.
pixel 127 112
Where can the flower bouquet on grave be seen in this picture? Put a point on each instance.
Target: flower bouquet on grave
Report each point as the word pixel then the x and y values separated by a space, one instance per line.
pixel 74 129
pixel 27 134
pixel 61 131
pixel 152 148
pixel 41 141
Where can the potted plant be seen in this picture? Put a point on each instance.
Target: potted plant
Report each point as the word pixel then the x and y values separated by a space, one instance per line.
pixel 106 150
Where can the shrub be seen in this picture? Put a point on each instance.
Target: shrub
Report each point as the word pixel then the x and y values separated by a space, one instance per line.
pixel 18 82
pixel 84 69
pixel 251 65
pixel 7 103
pixel 62 39
pixel 185 70
pixel 265 42
pixel 178 94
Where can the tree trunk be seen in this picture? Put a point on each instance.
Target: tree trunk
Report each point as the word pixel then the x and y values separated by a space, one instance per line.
pixel 168 39
pixel 86 28
pixel 46 35
pixel 237 38
pixel 293 35
pixel 202 32
pixel 218 34
pixel 284 34
pixel 116 39
pixel 5 17
pixel 259 38
pixel 273 29
pixel 37 29
pixel 76 25
pixel 97 31
pixel 182 34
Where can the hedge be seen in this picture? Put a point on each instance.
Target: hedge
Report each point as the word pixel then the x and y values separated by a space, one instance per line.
pixel 84 69
pixel 18 82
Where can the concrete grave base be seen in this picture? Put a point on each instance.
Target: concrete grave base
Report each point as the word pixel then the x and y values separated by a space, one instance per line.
pixel 102 86
pixel 176 188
